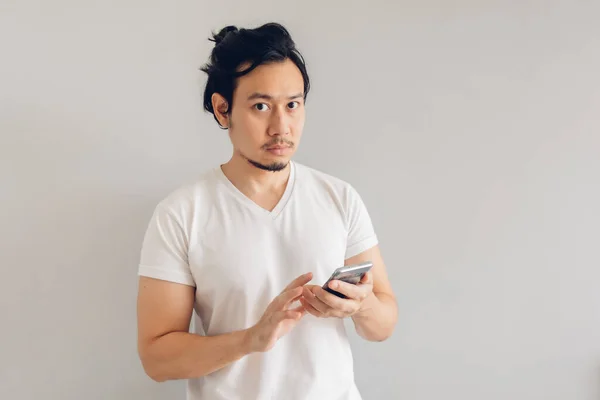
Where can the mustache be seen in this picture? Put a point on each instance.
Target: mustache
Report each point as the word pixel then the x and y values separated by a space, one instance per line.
pixel 278 142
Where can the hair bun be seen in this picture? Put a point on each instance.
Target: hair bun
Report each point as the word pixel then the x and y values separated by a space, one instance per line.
pixel 219 37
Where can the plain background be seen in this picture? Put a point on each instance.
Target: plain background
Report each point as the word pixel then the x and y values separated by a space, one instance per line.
pixel 471 128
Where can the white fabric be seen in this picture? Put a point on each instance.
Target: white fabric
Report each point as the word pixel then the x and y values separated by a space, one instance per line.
pixel 239 256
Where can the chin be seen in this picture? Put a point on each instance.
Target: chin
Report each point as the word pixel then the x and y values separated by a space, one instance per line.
pixel 270 165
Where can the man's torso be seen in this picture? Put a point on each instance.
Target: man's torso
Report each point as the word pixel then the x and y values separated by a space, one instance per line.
pixel 241 256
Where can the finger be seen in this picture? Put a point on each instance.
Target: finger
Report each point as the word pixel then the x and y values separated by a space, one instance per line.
pixel 349 290
pixel 367 278
pixel 343 305
pixel 299 281
pixel 285 298
pixel 301 309
pixel 287 314
pixel 310 309
pixel 315 302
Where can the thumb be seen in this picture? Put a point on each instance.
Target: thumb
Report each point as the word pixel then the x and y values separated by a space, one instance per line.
pixel 367 277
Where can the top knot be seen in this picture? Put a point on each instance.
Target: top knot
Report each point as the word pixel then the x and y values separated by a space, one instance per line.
pixel 219 37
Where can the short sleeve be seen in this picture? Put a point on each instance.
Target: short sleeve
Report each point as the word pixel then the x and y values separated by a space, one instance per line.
pixel 361 233
pixel 164 249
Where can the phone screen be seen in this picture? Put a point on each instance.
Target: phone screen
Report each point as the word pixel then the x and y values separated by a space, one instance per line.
pixel 350 277
pixel 353 277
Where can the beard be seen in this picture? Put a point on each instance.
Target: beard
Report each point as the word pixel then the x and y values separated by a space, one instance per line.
pixel 273 167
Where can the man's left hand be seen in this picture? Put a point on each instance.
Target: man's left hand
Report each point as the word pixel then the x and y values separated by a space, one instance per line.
pixel 323 304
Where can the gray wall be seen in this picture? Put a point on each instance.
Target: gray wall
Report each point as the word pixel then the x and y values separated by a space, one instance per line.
pixel 470 128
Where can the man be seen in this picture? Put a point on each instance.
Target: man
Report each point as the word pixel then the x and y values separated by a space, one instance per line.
pixel 250 243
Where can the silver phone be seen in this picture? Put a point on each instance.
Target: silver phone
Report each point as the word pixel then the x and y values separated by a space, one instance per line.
pixel 350 274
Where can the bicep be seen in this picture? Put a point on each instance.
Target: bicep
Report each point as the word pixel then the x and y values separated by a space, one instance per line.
pixel 162 307
pixel 381 283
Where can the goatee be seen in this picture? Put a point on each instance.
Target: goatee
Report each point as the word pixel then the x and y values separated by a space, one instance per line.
pixel 273 167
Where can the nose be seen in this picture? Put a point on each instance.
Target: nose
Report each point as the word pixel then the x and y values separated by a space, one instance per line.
pixel 279 123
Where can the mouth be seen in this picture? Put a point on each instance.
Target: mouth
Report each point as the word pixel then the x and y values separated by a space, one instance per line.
pixel 278 150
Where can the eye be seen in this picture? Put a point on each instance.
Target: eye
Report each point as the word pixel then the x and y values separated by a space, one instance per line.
pixel 293 104
pixel 261 106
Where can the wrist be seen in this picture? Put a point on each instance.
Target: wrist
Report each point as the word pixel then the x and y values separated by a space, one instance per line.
pixel 367 305
pixel 247 341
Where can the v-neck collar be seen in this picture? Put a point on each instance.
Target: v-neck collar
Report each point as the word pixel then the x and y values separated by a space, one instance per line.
pixel 250 203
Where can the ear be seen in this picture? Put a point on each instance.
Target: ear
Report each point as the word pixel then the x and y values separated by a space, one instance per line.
pixel 220 108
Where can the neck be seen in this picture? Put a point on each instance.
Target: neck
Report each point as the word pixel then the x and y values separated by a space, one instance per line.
pixel 253 180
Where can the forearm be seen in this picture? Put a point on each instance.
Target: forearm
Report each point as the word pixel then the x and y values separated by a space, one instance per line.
pixel 183 355
pixel 376 320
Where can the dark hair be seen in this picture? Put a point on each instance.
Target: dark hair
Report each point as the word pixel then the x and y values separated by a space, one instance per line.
pixel 268 43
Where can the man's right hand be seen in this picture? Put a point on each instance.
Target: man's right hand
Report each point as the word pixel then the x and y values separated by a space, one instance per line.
pixel 278 319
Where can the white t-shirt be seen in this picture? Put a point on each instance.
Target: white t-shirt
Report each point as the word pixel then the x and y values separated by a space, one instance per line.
pixel 239 256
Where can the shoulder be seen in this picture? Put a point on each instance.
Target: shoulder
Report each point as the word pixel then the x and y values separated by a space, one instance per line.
pixel 316 184
pixel 188 196
pixel 317 180
pixel 313 176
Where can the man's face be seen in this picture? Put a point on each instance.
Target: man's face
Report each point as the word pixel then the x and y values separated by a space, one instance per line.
pixel 267 117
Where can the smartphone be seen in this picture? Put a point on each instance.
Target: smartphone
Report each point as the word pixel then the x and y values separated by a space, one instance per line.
pixel 349 273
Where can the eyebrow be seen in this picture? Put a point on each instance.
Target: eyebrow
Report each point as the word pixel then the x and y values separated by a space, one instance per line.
pixel 264 96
